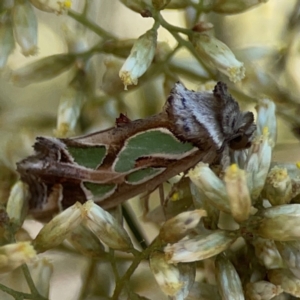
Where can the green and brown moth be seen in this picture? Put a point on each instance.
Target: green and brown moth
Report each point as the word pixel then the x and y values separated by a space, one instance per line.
pixel 116 164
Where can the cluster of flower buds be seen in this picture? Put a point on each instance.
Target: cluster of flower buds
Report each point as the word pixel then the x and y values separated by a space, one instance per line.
pixel 18 23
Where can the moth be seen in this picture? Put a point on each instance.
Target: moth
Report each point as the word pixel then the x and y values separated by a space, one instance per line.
pixel 114 165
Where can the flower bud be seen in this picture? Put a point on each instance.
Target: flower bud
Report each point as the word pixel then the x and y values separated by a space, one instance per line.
pixel 17 204
pixel 200 247
pixel 59 228
pixel 238 193
pixel 41 272
pixel 285 278
pixel 7 41
pixel 278 187
pixel 232 6
pixel 139 59
pixel 228 280
pixel 266 118
pixel 139 6
pixel 212 186
pixel 160 4
pixel 290 253
pixel 42 69
pixel 105 227
pixel 174 281
pixel 258 164
pixel 267 253
pixel 262 290
pixel 25 27
pixel 176 228
pixel 86 242
pixel 15 255
pixel 218 55
pixel 279 223
pixel 111 82
pixel 70 106
pixel 52 6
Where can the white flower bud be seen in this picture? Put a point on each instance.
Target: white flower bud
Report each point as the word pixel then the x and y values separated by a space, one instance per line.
pixel 139 6
pixel 52 6
pixel 238 193
pixel 278 188
pixel 258 164
pixel 105 227
pixel 200 247
pixel 111 82
pixel 176 228
pixel 41 272
pixel 59 228
pixel 86 242
pixel 285 278
pixel 42 69
pixel 218 55
pixel 228 280
pixel 279 223
pixel 232 6
pixel 14 255
pixel 139 59
pixel 17 204
pixel 174 281
pixel 290 253
pixel 7 41
pixel 70 106
pixel 266 118
pixel 212 186
pixel 267 253
pixel 262 290
pixel 25 27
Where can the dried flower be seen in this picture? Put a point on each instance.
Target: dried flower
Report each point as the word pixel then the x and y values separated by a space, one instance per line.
pixel 262 290
pixel 212 186
pixel 279 223
pixel 199 247
pixel 176 228
pixel 285 278
pixel 238 193
pixel 25 27
pixel 106 227
pixel 14 255
pixel 139 59
pixel 228 280
pixel 43 69
pixel 17 205
pixel 59 228
pixel 174 281
pixel 218 55
pixel 52 6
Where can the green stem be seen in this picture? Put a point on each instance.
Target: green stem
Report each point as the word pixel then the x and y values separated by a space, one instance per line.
pixel 137 260
pixel 90 25
pixel 17 295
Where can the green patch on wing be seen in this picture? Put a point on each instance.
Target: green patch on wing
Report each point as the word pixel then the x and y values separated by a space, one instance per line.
pixel 144 174
pixel 89 157
pixel 99 190
pixel 149 143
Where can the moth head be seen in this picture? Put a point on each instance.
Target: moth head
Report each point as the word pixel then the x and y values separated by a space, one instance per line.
pixel 243 127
